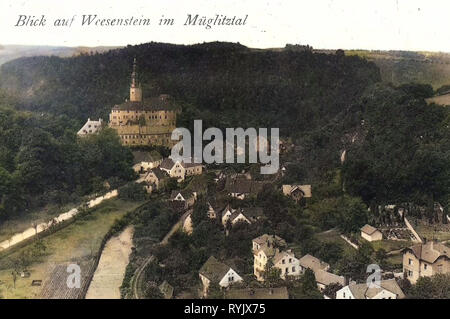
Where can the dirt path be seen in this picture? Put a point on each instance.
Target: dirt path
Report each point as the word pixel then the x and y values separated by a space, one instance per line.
pixel 109 274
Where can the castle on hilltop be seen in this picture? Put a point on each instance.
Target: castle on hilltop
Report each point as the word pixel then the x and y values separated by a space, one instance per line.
pixel 144 122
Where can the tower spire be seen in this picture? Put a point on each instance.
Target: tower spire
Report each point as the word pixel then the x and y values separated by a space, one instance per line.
pixel 134 82
pixel 135 89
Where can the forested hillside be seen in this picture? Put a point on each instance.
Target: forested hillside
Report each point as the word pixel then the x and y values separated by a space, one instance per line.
pixel 42 161
pixel 294 91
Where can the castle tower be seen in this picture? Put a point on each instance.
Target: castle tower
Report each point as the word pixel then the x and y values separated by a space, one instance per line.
pixel 135 88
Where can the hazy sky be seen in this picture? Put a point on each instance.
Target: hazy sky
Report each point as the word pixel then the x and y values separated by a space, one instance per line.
pixel 347 24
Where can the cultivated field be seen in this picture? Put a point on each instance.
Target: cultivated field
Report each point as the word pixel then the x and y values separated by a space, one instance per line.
pixel 79 241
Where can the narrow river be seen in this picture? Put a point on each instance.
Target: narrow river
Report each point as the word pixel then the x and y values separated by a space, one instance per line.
pixel 110 271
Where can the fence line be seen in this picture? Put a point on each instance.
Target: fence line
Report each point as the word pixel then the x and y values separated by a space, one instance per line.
pixel 409 226
pixel 350 242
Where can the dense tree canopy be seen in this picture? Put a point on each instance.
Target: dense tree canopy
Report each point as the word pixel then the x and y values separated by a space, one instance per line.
pixel 402 154
pixel 42 161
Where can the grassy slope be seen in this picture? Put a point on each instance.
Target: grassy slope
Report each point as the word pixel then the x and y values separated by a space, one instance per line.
pixel 79 240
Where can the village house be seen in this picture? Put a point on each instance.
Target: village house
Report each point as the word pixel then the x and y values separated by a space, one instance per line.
pixel 213 209
pixel 325 278
pixel 154 179
pixel 425 260
pixel 143 161
pixel 252 214
pixel 226 214
pixel 248 215
pixel 297 192
pixel 370 233
pixel 186 197
pixel 217 272
pixel 320 269
pixel 257 293
pixel 388 289
pixel 313 263
pixel 180 170
pixel 91 127
pixel 267 248
pixel 287 263
pixel 241 188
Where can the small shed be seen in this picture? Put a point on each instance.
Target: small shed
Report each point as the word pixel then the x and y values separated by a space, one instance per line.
pixel 371 233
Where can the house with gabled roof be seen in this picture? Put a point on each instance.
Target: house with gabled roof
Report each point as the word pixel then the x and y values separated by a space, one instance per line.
pixel 226 214
pixel 248 214
pixel 144 161
pixel 425 260
pixel 154 178
pixel 214 271
pixel 185 196
pixel 321 271
pixel 325 278
pixel 213 209
pixel 387 289
pixel 297 192
pixel 181 169
pixel 90 127
pixel 287 263
pixel 313 263
pixel 267 241
pixel 241 188
pixel 272 248
pixel 370 233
